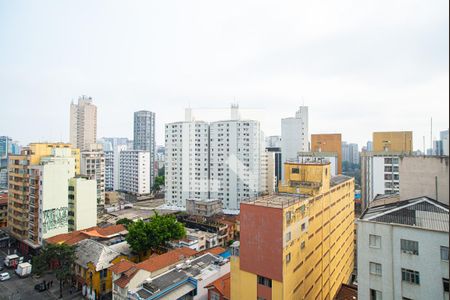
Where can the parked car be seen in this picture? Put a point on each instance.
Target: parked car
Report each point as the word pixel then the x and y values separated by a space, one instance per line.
pixel 4 276
pixel 40 287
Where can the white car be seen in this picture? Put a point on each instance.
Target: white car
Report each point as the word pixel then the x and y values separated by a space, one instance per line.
pixel 4 276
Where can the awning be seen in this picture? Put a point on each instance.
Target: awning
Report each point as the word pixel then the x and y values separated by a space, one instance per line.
pixel 179 292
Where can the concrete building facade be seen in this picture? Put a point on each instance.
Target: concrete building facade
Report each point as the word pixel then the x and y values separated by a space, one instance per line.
pixel 424 176
pixel 213 160
pixel 321 157
pixel 393 141
pixel 296 246
pixel 295 135
pixel 83 123
pixel 82 202
pixel 93 166
pixel 328 143
pixel 144 137
pixel 380 174
pixel 135 172
pixel 403 251
pixel 20 207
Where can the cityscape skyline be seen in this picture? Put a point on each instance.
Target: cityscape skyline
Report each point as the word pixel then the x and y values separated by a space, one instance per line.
pixel 274 60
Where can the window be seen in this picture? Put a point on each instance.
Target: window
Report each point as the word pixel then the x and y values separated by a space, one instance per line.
pixel 214 296
pixel 302 245
pixel 303 226
pixel 264 281
pixel 375 295
pixel 288 216
pixel 374 241
pixel 288 258
pixel 410 247
pixel 295 171
pixel 288 236
pixel 444 253
pixel 445 284
pixel 375 268
pixel 410 276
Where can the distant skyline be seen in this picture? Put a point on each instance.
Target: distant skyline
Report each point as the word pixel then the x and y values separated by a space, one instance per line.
pixel 359 66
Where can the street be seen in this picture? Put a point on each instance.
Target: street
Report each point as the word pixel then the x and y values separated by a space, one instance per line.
pixel 17 288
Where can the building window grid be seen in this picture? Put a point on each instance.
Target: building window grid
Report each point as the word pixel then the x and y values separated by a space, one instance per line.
pixel 411 276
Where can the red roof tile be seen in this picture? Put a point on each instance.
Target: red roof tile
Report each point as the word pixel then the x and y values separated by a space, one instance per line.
pixel 122 266
pixel 222 285
pixel 165 260
pixel 79 235
pixel 126 277
pixel 213 251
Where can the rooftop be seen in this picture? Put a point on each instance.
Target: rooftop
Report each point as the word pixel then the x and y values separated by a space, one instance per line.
pixel 167 259
pixel 421 212
pixel 179 277
pixel 98 254
pixel 338 179
pixel 278 200
pixel 74 237
pixel 222 285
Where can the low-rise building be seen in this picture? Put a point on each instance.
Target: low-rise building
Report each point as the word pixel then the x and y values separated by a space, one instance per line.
pixel 97 233
pixel 187 280
pixel 92 263
pixel 403 250
pixel 127 277
pixel 320 157
pixel 220 288
pixel 203 207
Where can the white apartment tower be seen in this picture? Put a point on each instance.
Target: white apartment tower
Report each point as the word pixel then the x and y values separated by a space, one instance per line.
pixel 144 137
pixel 187 162
pixel 83 123
pixel 219 160
pixel 134 169
pixel 294 135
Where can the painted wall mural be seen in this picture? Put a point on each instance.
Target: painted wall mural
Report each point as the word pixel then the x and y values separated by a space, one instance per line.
pixel 54 218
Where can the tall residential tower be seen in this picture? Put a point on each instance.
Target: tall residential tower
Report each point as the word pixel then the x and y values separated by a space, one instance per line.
pixel 144 137
pixel 83 123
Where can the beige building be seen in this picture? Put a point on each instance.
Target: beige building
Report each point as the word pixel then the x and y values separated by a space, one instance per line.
pixel 393 141
pixel 205 208
pixel 331 142
pixel 424 176
pixel 93 166
pixel 83 123
pixel 82 203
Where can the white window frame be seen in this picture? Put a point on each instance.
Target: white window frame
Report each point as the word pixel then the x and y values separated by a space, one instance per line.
pixel 373 238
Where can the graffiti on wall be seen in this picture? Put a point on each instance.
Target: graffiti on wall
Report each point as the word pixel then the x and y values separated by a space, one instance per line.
pixel 54 218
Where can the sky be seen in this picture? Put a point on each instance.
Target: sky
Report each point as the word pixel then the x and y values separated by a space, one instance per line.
pixel 360 66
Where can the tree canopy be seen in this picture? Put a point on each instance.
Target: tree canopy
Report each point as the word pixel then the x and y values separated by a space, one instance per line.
pixel 143 236
pixel 125 222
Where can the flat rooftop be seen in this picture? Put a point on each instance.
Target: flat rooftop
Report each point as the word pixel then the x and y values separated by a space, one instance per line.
pixel 278 200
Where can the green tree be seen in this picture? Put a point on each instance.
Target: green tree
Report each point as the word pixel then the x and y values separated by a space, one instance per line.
pixel 159 181
pixel 125 222
pixel 61 255
pixel 143 236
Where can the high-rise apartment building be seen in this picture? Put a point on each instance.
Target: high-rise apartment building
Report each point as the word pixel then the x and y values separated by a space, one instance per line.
pixel 393 141
pixel 328 143
pixel 273 141
pixel 19 186
pixel 82 202
pixel 294 135
pixel 109 170
pixel 403 250
pixel 297 244
pixel 144 137
pixel 7 147
pixel 134 172
pixel 187 162
pixel 93 166
pixel 236 147
pixel 83 123
pixel 49 196
pixel 219 160
pixel 350 153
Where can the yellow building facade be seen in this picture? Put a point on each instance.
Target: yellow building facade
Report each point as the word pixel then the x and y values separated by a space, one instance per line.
pixel 393 141
pixel 18 190
pixel 298 244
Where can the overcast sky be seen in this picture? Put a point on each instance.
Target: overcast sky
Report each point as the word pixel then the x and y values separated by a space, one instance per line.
pixel 361 66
